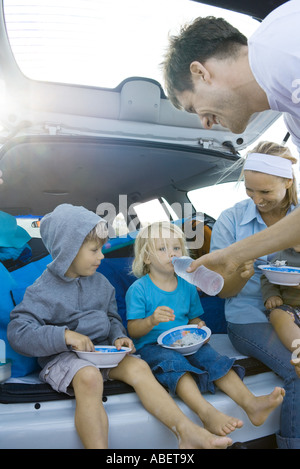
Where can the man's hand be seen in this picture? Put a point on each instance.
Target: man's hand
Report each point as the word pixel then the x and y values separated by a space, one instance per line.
pixel 220 261
pixel 247 269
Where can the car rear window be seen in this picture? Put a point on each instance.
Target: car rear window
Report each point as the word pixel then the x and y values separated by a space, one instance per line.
pixel 99 42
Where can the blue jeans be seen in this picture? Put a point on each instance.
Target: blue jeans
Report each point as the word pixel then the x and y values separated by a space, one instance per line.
pixel 206 366
pixel 261 341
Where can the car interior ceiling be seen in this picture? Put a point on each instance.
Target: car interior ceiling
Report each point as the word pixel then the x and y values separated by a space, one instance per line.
pixel 90 171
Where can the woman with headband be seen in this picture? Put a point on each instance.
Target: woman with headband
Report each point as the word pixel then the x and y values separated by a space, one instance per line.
pixel 271 188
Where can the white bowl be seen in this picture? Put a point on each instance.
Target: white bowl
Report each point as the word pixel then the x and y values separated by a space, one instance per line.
pixel 283 275
pixel 105 356
pixel 5 370
pixel 166 339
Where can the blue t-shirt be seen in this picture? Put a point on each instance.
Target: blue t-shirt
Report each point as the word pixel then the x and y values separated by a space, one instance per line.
pixel 143 297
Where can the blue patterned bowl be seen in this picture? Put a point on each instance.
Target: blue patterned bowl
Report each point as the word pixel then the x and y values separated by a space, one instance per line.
pixel 186 334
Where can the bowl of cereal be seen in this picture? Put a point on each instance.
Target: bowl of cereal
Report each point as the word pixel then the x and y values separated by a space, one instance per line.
pixel 104 356
pixel 185 339
pixel 281 275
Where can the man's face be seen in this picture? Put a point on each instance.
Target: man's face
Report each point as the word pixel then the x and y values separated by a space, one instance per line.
pixel 216 104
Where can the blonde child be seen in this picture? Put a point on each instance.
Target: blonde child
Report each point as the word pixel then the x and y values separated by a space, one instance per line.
pixel 71 306
pixel 158 301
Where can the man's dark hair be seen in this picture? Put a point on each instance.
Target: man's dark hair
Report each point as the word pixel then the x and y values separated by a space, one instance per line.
pixel 202 39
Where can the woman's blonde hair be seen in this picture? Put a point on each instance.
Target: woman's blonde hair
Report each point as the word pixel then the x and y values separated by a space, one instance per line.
pixel 145 244
pixel 271 148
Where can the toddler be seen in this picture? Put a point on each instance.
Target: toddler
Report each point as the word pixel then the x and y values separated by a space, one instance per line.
pixel 282 304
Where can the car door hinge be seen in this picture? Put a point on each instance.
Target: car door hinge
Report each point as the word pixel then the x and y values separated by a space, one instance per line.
pixel 205 143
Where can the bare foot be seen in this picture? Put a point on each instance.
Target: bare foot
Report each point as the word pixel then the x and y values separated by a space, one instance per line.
pixel 259 410
pixel 218 423
pixel 193 436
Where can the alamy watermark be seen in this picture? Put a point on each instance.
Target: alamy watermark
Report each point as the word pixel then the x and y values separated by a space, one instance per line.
pixel 192 223
pixel 296 352
pixel 296 92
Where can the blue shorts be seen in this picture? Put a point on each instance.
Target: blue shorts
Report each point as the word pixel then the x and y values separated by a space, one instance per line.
pixel 293 311
pixel 206 366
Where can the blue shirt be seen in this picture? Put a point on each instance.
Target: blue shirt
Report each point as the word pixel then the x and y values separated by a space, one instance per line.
pixel 143 297
pixel 234 224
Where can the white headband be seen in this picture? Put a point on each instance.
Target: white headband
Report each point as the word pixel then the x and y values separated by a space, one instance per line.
pixel 269 164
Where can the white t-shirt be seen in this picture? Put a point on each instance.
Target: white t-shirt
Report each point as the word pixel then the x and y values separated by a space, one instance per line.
pixel 274 56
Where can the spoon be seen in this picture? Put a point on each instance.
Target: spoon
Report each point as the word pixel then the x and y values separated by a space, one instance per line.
pixel 271 263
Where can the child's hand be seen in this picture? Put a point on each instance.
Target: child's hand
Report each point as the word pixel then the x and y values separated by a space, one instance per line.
pixel 246 270
pixel 197 322
pixel 79 341
pixel 273 302
pixel 126 342
pixel 200 324
pixel 162 314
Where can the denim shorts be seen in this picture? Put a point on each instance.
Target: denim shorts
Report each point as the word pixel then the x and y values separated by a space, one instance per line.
pixel 206 366
pixel 293 311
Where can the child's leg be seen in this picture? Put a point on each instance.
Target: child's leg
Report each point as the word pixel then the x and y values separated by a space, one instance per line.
pixel 257 407
pixel 159 403
pixel 90 417
pixel 287 330
pixel 213 420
